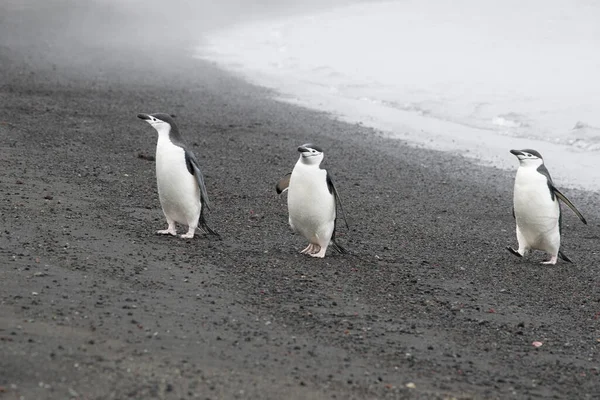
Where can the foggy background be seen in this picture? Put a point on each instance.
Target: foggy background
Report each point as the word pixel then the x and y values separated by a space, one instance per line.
pixel 452 76
pixel 135 23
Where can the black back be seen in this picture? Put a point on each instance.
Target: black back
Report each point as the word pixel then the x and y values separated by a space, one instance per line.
pixel 544 171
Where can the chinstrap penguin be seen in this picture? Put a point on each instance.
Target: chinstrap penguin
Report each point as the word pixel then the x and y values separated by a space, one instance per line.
pixel 536 208
pixel 181 188
pixel 313 202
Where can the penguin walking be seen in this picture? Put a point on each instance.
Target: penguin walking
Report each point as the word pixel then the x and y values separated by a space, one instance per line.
pixel 312 202
pixel 536 208
pixel 181 188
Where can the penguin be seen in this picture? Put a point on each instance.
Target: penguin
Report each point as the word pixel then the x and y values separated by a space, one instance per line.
pixel 180 183
pixel 313 202
pixel 536 208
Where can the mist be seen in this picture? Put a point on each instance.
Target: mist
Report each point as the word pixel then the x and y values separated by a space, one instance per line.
pixel 66 27
pixel 463 72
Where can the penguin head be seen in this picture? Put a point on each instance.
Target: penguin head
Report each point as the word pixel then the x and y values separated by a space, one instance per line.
pixel 163 123
pixel 311 154
pixel 528 157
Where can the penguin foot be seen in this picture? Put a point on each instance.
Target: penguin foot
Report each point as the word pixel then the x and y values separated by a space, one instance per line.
pixel 311 249
pixel 320 253
pixel 307 249
pixel 189 234
pixel 552 261
pixel 169 231
pixel 513 251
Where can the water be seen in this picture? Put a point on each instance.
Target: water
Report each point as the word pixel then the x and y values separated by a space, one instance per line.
pixel 467 76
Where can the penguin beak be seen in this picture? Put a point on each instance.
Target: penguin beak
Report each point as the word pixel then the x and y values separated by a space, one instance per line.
pixel 516 152
pixel 303 149
pixel 145 117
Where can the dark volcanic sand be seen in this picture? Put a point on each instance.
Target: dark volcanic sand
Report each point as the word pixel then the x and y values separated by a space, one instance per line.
pixel 94 305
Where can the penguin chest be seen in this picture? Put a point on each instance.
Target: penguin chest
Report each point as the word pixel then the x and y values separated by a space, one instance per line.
pixel 311 206
pixel 536 211
pixel 177 188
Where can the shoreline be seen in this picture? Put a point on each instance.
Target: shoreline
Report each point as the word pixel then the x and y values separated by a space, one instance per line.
pixel 93 303
pixel 284 54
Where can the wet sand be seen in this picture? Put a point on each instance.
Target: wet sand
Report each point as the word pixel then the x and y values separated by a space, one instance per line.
pixel 94 305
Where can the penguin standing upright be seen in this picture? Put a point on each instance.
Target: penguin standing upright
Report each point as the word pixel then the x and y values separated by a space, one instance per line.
pixel 536 208
pixel 181 188
pixel 312 202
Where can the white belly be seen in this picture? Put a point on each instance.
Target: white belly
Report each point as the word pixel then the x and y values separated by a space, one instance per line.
pixel 536 214
pixel 311 206
pixel 178 190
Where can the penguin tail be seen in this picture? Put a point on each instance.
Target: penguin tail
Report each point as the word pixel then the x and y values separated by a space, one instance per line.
pixel 204 226
pixel 564 257
pixel 513 251
pixel 338 248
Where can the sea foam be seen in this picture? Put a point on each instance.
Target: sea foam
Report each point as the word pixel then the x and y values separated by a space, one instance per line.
pixel 473 77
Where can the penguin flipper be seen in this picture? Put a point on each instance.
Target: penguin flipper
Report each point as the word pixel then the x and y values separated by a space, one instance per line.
pixel 338 201
pixel 192 165
pixel 194 168
pixel 283 184
pixel 568 202
pixel 564 257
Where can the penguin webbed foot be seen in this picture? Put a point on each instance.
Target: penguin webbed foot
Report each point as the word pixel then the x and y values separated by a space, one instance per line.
pixel 552 261
pixel 168 231
pixel 320 253
pixel 209 232
pixel 311 249
pixel 513 251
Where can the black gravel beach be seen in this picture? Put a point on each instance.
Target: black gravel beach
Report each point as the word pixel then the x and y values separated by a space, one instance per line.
pixel 95 305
